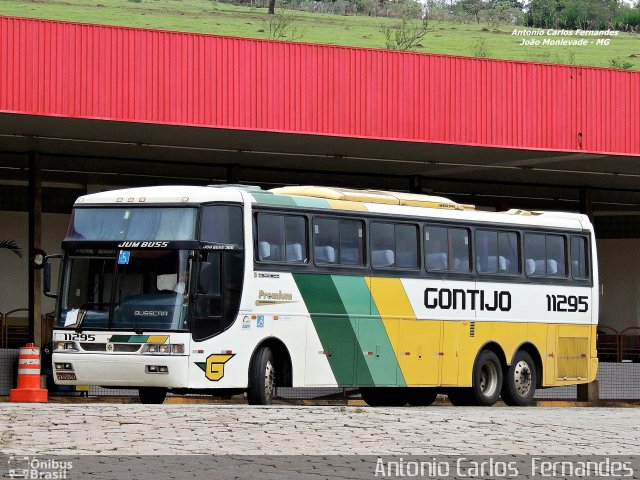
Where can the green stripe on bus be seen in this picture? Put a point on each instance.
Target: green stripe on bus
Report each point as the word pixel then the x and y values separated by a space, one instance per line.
pixel 378 359
pixel 310 202
pixel 334 327
pixel 271 199
pixel 129 338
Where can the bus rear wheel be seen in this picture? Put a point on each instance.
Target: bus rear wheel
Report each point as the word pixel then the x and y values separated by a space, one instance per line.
pixel 152 395
pixel 384 396
pixel 262 378
pixel 421 396
pixel 460 397
pixel 487 379
pixel 519 385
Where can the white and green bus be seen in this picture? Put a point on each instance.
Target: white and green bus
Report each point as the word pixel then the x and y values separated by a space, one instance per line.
pixel 232 289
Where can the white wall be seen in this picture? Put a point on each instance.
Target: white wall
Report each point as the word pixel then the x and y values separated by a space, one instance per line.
pixel 14 275
pixel 619 262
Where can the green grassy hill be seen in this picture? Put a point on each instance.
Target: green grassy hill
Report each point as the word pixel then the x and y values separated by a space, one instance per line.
pixel 207 16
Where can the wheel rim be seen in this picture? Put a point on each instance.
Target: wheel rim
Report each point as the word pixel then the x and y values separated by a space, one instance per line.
pixel 269 378
pixel 522 378
pixel 488 379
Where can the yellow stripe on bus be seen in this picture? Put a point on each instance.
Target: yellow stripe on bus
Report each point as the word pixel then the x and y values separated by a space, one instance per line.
pixel 157 339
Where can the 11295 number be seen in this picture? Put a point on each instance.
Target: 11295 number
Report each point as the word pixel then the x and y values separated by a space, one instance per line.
pixel 567 303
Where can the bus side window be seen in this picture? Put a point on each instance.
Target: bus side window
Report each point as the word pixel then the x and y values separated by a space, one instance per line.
pixel 338 241
pixel 221 224
pixel 544 255
pixel 270 237
pixel 435 248
pixel 382 245
pixel 407 246
pixel 579 269
pixel 295 239
pixel 351 242
pixel 497 252
pixel 446 249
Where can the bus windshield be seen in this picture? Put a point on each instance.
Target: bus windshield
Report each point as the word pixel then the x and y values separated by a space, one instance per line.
pixel 137 290
pixel 133 223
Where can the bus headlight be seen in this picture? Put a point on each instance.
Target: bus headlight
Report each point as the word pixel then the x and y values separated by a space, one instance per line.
pixel 65 346
pixel 163 349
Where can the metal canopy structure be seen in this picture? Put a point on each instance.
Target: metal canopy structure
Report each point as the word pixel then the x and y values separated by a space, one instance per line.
pixel 94 105
pixel 97 101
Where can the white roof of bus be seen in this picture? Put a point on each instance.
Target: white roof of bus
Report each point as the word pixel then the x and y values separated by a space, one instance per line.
pixel 191 194
pixel 543 219
pixel 163 194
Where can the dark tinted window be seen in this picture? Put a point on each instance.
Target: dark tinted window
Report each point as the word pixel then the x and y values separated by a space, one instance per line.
pixel 221 224
pixel 296 239
pixel 446 249
pixel 544 255
pixel 270 237
pixel 281 238
pixel 394 245
pixel 497 252
pixel 579 268
pixel 338 241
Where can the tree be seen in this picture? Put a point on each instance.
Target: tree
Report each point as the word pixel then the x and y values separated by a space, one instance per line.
pixel 473 7
pixel 12 246
pixel 272 7
pixel 406 34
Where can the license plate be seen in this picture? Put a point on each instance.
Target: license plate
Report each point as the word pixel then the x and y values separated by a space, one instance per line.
pixel 66 376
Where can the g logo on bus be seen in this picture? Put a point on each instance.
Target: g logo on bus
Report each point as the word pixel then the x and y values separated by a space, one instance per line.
pixel 213 368
pixel 109 347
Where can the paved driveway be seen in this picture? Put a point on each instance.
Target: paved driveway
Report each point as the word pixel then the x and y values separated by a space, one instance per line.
pixel 133 429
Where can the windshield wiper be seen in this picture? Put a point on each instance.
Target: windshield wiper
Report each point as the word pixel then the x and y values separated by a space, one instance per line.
pixel 82 313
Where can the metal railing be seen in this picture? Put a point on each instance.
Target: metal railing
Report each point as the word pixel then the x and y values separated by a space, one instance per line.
pixel 14 333
pixel 618 346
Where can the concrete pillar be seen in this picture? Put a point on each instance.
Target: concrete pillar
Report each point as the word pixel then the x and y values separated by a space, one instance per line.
pixel 416 184
pixel 589 392
pixel 586 201
pixel 35 244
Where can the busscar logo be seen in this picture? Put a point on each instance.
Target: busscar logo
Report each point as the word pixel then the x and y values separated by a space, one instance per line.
pixel 150 313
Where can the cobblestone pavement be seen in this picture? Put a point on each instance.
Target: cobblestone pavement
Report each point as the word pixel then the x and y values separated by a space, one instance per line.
pixel 133 429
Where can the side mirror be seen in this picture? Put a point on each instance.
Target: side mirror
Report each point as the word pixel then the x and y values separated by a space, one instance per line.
pixel 46 284
pixel 204 279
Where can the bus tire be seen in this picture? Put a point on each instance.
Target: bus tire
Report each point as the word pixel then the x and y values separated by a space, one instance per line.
pixel 519 385
pixel 152 395
pixel 487 379
pixel 262 378
pixel 421 396
pixel 384 396
pixel 460 397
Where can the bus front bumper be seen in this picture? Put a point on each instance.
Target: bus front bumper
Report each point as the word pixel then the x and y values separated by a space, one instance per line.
pixel 107 370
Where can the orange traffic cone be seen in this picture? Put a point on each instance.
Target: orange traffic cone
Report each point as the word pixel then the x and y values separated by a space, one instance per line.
pixel 28 377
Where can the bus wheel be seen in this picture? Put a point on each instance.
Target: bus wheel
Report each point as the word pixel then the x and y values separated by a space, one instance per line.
pixel 262 378
pixel 519 384
pixel 421 397
pixel 152 395
pixel 384 396
pixel 487 379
